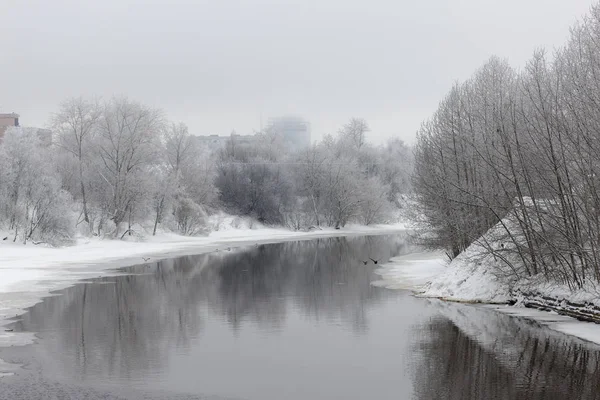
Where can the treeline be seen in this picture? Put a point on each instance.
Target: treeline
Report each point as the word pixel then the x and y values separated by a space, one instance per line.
pixel 521 149
pixel 342 179
pixel 119 168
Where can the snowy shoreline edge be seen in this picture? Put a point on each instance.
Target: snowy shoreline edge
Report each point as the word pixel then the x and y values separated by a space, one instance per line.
pixel 44 275
pixel 430 275
pixel 30 273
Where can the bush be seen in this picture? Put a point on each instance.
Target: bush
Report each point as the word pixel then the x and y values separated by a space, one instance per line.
pixel 191 218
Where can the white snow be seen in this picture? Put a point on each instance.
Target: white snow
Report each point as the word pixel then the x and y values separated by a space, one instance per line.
pixel 469 278
pixel 430 275
pixel 465 279
pixel 411 271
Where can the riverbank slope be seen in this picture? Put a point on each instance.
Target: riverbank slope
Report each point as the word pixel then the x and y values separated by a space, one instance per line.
pixel 479 275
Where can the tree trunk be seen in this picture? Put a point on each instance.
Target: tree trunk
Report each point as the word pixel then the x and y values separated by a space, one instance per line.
pixel 315 210
pixel 158 215
pixel 86 217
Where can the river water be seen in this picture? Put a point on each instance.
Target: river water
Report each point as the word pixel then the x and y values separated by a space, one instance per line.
pixel 296 320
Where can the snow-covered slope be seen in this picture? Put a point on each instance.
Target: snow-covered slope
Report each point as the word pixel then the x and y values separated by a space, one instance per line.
pixel 469 277
pixel 475 276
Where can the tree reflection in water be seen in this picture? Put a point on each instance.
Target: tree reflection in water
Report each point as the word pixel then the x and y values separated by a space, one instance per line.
pixel 316 298
pixel 127 326
pixel 470 353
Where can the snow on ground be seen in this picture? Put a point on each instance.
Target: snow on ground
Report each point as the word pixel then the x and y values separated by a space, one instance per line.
pixel 469 278
pixel 589 293
pixel 430 275
pixel 29 272
pixel 465 279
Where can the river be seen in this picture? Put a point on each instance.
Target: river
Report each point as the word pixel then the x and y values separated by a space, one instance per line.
pixel 296 320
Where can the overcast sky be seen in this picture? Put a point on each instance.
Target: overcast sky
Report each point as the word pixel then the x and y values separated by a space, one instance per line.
pixel 219 65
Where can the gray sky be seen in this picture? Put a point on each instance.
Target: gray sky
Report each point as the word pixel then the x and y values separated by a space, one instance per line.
pixel 219 65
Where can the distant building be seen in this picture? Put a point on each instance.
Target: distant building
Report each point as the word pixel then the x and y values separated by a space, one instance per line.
pixel 295 131
pixel 11 121
pixel 213 142
pixel 6 121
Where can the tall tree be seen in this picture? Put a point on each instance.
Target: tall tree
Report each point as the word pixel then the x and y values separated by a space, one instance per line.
pixel 75 125
pixel 128 142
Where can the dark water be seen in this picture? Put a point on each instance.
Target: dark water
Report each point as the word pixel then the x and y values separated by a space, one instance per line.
pixel 297 320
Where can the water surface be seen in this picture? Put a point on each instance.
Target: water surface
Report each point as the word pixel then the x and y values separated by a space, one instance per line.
pixel 297 320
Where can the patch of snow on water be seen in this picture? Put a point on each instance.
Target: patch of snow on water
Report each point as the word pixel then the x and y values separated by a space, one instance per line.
pixel 411 271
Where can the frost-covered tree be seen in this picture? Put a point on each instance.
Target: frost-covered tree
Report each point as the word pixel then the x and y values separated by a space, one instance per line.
pixel 343 189
pixel 520 151
pixel 120 162
pixel 128 137
pixel 32 202
pixel 374 204
pixel 251 179
pixel 354 132
pixel 344 179
pixel 74 127
pixel 185 182
pixel 309 177
pixel 178 147
pixel 396 161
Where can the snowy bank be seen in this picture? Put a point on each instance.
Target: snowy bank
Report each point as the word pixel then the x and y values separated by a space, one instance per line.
pixel 430 275
pixel 468 278
pixel 465 279
pixel 472 277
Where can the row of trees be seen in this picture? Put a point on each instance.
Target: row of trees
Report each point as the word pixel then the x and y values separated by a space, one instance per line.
pixel 119 167
pixel 521 149
pixel 111 165
pixel 340 180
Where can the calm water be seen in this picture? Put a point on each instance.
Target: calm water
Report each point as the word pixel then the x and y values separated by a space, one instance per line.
pixel 297 320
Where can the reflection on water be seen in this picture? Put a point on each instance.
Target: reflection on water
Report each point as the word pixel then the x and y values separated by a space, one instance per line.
pixel 132 327
pixel 472 353
pixel 298 320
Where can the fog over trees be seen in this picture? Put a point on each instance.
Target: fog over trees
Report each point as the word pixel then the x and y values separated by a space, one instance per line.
pixel 520 148
pixel 118 168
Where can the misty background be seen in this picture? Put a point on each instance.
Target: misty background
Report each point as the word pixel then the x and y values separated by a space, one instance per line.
pixel 229 65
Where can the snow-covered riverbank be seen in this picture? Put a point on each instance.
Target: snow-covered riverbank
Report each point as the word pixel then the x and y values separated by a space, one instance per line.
pixel 468 279
pixel 28 273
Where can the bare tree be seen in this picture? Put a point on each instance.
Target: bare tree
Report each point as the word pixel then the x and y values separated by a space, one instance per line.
pixel 128 143
pixel 178 146
pixel 355 131
pixel 34 204
pixel 74 125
